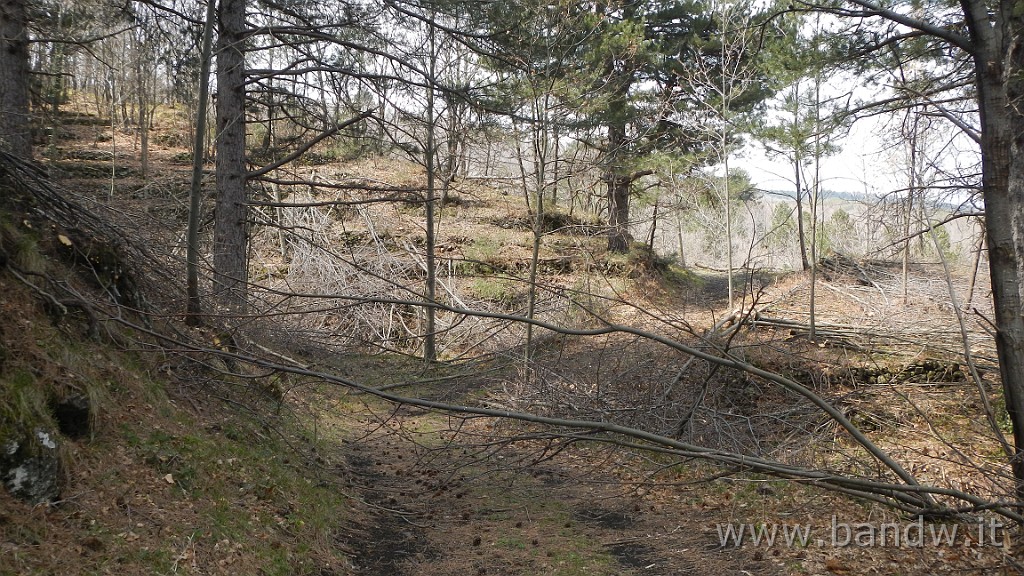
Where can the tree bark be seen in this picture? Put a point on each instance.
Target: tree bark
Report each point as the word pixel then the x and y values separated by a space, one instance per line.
pixel 195 206
pixel 430 158
pixel 616 170
pixel 619 237
pixel 975 265
pixel 617 183
pixel 230 233
pixel 999 63
pixel 804 263
pixel 15 129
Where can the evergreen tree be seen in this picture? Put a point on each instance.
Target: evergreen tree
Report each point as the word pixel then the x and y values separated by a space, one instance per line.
pixel 626 62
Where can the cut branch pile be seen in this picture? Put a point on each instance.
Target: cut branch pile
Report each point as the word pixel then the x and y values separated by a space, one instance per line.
pixel 838 264
pixel 877 338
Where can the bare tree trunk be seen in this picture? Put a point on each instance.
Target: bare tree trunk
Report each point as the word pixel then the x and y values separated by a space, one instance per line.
pixel 679 234
pixel 814 259
pixel 975 265
pixel 815 199
pixel 801 236
pixel 231 233
pixel 728 221
pixel 654 227
pixel 724 143
pixel 142 101
pixel 538 234
pixel 54 91
pixel 194 306
pixel 555 182
pixel 798 181
pixel 905 275
pixel 15 129
pixel 909 208
pixel 540 160
pixel 144 121
pixel 1003 186
pixel 429 338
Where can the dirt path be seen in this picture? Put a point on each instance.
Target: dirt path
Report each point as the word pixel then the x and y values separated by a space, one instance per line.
pixel 438 510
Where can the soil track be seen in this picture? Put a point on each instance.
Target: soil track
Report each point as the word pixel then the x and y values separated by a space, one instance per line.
pixel 450 510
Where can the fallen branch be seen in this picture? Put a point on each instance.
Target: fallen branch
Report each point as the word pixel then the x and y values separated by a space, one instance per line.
pixel 910 497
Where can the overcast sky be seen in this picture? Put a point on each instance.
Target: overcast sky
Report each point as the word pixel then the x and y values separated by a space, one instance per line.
pixel 861 166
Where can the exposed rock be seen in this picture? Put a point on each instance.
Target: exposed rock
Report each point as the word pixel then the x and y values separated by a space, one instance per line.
pixel 926 371
pixel 30 467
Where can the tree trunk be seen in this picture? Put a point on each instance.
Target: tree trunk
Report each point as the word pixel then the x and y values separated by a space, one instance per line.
pixel 617 178
pixel 815 194
pixel 679 234
pixel 798 161
pixel 144 122
pixel 540 160
pixel 618 214
pixel 909 207
pixel 430 335
pixel 975 265
pixel 52 97
pixel 555 177
pixel 195 206
pixel 1002 146
pixel 618 193
pixel 230 233
pixel 654 227
pixel 728 222
pixel 15 130
pixel 801 235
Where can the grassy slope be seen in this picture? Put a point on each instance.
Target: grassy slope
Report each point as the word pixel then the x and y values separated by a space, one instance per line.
pixel 171 481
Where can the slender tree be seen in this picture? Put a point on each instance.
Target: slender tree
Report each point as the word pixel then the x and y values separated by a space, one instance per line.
pixel 728 75
pixel 198 160
pixel 430 161
pixel 797 59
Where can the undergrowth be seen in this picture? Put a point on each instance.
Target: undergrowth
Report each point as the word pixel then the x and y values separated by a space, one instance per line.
pixel 174 477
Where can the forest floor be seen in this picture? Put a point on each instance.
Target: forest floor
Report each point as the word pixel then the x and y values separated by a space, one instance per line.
pixel 196 468
pixel 440 498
